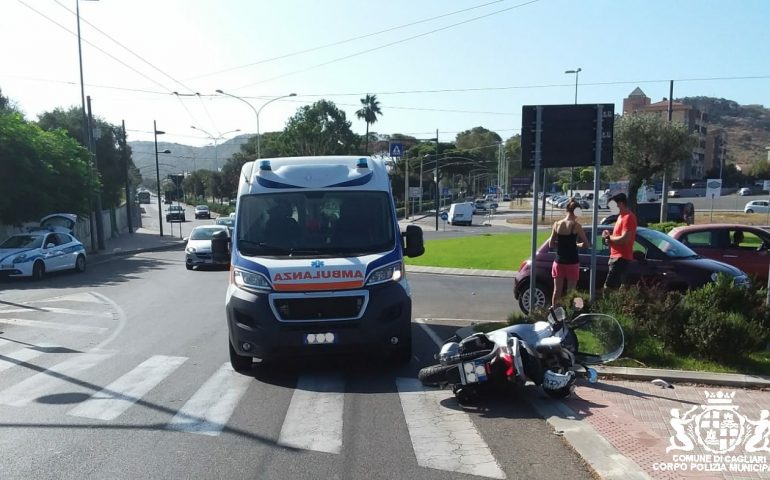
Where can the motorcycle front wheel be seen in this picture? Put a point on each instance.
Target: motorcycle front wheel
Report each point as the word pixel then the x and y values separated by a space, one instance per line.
pixel 435 374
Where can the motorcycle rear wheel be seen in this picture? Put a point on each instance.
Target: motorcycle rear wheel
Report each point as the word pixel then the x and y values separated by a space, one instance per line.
pixel 435 374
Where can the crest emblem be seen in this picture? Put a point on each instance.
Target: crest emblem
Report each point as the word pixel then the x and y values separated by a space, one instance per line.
pixel 718 427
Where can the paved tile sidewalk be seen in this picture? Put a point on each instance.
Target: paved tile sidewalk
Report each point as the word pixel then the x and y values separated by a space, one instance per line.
pixel 635 417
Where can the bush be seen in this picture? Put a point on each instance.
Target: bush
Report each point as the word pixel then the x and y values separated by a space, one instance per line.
pixel 223 210
pixel 665 227
pixel 718 335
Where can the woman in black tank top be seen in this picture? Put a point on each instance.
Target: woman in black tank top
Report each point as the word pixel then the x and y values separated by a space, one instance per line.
pixel 567 236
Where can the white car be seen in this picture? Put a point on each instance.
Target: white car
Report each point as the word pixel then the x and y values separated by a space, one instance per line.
pixel 744 192
pixel 41 251
pixel 198 250
pixel 757 206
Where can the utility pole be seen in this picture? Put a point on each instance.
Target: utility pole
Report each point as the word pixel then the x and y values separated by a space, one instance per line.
pixel 92 149
pixel 157 176
pixel 664 188
pixel 129 203
pixel 438 189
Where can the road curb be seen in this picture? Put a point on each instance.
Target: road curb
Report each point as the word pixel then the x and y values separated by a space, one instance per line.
pixel 135 251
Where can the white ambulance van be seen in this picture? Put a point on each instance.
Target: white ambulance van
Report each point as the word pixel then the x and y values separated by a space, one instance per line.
pixel 317 261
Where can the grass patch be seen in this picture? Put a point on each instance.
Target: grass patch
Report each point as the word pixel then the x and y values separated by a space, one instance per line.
pixel 503 251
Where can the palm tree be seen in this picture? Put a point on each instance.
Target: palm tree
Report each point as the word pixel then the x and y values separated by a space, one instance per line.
pixel 368 113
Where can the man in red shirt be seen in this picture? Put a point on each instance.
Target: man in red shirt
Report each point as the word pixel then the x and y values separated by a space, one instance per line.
pixel 621 243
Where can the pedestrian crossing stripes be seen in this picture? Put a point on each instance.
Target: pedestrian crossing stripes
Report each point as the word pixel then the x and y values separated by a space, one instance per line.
pixel 210 407
pixel 314 418
pixel 49 380
pixel 444 438
pixel 118 396
pixel 441 437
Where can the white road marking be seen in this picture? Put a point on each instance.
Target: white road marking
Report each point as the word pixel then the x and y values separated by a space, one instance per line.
pixel 118 396
pixel 63 311
pixel 444 438
pixel 431 333
pixel 52 325
pixel 12 359
pixel 38 385
pixel 314 418
pixel 209 409
pixel 85 297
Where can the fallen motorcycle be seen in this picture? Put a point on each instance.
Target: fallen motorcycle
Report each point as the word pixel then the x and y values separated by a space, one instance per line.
pixel 546 353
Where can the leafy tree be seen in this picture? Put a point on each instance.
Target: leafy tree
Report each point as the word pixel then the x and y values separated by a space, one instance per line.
pixel 318 129
pixel 368 112
pixel 6 106
pixel 646 146
pixel 194 184
pixel 40 172
pixel 107 148
pixel 586 175
pixel 481 142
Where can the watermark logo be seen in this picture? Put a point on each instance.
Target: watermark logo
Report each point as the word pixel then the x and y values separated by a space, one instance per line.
pixel 718 427
pixel 719 437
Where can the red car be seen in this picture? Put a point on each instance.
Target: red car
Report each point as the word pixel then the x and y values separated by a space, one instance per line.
pixel 742 246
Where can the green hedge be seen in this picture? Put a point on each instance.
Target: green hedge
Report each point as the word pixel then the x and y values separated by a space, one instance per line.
pixel 665 227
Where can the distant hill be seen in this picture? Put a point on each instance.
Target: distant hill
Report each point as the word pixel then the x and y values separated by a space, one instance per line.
pixel 747 126
pixel 183 158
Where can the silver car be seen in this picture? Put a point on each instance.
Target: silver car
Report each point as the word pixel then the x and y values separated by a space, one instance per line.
pixel 198 249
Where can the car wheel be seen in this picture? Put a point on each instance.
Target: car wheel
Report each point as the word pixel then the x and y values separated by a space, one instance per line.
pixel 80 263
pixel 749 211
pixel 38 271
pixel 541 297
pixel 239 363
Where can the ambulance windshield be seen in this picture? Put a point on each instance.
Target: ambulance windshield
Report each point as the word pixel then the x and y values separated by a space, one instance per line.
pixel 305 223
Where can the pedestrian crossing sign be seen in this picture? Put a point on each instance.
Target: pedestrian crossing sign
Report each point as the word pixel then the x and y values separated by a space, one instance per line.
pixel 396 149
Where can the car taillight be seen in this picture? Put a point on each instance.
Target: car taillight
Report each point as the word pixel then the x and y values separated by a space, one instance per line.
pixel 507 359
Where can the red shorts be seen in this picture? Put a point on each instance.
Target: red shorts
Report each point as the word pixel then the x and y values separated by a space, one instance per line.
pixel 569 271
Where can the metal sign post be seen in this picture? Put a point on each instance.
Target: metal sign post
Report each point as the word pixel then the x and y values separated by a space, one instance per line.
pixel 533 250
pixel 595 219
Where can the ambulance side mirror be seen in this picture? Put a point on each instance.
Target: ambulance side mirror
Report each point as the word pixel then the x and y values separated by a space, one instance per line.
pixel 414 246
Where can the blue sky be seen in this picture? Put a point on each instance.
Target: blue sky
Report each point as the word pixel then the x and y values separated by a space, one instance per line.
pixel 529 46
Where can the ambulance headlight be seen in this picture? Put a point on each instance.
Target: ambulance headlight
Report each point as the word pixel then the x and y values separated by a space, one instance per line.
pixel 250 280
pixel 393 272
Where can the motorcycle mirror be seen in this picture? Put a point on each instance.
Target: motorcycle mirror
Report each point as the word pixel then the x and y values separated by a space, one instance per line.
pixel 560 314
pixel 578 303
pixel 593 377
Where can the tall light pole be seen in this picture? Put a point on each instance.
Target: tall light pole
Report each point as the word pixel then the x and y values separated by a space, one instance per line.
pixel 86 131
pixel 215 140
pixel 572 169
pixel 257 112
pixel 157 172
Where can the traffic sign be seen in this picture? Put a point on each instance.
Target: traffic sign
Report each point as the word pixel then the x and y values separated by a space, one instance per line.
pixel 713 188
pixel 414 192
pixel 396 149
pixel 444 216
pixel 766 185
pixel 445 192
pixel 568 135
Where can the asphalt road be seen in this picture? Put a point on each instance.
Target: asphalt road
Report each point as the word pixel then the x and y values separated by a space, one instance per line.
pixel 106 374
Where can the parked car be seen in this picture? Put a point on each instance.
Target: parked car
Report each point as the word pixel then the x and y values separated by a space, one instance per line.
pixel 647 213
pixel 202 211
pixel 506 198
pixel 660 259
pixel 742 246
pixel 744 192
pixel 756 206
pixel 674 194
pixel 480 205
pixel 198 249
pixel 41 251
pixel 175 213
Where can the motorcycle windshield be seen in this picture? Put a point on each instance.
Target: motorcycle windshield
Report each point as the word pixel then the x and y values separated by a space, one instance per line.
pixel 600 338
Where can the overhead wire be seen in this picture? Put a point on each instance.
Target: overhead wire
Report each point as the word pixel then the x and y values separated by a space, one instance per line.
pixel 390 44
pixel 94 46
pixel 347 40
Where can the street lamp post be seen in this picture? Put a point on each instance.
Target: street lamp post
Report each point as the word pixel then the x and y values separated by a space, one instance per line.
pixel 572 169
pixel 157 172
pixel 257 112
